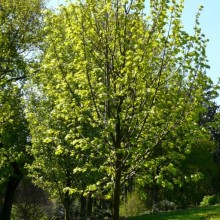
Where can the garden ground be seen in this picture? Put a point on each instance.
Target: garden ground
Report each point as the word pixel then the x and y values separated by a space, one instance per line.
pixel 203 213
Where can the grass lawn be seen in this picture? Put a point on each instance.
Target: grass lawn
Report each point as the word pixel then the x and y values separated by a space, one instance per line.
pixel 205 213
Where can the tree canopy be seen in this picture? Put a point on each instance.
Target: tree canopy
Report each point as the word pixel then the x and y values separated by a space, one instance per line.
pixel 98 96
pixel 119 91
pixel 18 38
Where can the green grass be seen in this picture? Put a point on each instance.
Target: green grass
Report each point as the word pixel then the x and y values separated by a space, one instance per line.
pixel 203 213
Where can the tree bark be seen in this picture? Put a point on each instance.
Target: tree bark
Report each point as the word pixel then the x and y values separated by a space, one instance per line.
pixel 89 205
pixel 12 185
pixel 116 195
pixel 118 163
pixel 82 207
pixel 67 211
pixel 67 204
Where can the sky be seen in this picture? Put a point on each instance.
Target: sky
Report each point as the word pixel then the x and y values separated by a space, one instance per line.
pixel 210 24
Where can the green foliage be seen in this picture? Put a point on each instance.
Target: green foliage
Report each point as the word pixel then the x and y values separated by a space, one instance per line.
pixel 32 211
pixel 113 94
pixel 30 202
pixel 18 36
pixel 195 188
pixel 119 93
pixel 13 133
pixel 19 25
pixel 194 179
pixel 210 200
pixel 132 205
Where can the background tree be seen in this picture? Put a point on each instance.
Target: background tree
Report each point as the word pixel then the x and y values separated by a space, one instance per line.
pixel 210 120
pixel 135 81
pixel 195 180
pixel 14 135
pixel 19 24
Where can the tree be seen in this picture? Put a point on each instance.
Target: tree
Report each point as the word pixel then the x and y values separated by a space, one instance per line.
pixel 17 38
pixel 194 179
pixel 135 81
pixel 14 134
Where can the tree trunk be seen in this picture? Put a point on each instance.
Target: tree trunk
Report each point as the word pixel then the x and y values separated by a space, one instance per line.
pixel 12 185
pixel 89 205
pixel 67 213
pixel 67 206
pixel 116 195
pixel 82 207
pixel 118 164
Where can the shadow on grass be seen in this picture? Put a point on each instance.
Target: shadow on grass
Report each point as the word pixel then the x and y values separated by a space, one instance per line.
pixel 204 213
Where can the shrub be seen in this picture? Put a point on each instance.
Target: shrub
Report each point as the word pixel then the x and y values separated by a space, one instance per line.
pixel 30 202
pixel 163 205
pixel 133 205
pixel 209 200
